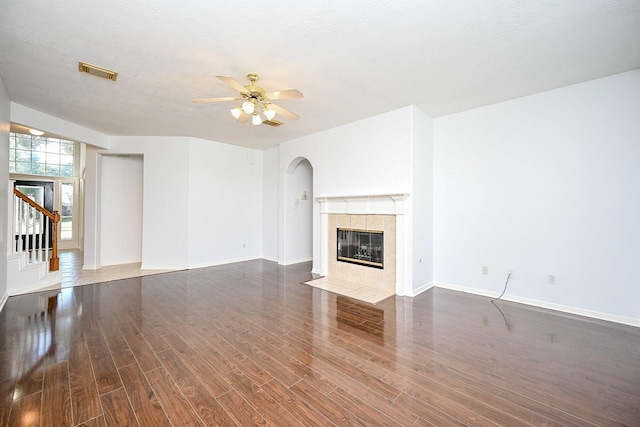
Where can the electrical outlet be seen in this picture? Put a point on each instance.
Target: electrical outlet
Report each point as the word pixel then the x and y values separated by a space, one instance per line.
pixel 551 279
pixel 511 274
pixel 485 269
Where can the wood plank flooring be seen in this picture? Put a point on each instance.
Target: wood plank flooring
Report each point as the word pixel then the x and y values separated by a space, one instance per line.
pixel 249 344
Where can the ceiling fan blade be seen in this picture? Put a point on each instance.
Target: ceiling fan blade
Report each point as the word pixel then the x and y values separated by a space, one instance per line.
pixel 234 84
pixel 284 94
pixel 226 98
pixel 284 112
pixel 244 117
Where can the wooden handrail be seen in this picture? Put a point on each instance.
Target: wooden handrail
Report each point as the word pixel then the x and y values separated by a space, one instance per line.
pixel 54 262
pixel 50 215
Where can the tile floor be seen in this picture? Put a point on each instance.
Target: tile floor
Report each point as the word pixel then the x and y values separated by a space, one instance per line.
pixel 71 262
pixel 350 289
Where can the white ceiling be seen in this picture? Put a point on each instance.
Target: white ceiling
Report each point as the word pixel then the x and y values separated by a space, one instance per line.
pixel 351 59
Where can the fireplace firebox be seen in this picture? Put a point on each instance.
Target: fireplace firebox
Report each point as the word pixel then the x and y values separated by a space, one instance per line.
pixel 364 247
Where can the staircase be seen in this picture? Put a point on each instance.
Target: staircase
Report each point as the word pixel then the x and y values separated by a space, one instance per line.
pixel 32 260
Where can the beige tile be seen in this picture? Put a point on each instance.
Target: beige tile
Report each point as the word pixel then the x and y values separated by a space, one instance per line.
pixel 72 274
pixel 375 222
pixel 350 289
pixel 341 220
pixel 359 222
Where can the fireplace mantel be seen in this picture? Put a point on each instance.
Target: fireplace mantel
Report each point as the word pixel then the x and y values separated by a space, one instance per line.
pixel 378 204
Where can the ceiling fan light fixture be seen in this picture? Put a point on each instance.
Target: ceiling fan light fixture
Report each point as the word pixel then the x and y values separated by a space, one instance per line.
pixel 237 112
pixel 36 132
pixel 248 107
pixel 255 102
pixel 269 113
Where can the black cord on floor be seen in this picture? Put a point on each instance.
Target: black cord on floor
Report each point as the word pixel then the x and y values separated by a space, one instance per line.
pixel 504 290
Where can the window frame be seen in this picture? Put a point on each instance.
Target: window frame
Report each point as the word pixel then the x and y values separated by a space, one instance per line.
pixel 53 164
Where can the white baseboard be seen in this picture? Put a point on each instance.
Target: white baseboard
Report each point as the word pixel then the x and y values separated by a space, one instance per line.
pixel 35 288
pixel 421 289
pixel 164 267
pixel 544 304
pixel 298 261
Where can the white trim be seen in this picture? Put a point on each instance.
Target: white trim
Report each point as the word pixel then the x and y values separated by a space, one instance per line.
pixel 298 261
pixel 544 304
pixel 3 301
pixel 379 204
pixel 167 267
pixel 35 288
pixel 269 258
pixel 421 289
pixel 217 263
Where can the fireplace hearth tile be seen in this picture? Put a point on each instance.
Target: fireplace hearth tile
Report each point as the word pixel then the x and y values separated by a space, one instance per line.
pixel 357 291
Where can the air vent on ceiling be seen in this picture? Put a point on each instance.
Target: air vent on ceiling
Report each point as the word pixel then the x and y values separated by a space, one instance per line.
pixel 273 123
pixel 94 70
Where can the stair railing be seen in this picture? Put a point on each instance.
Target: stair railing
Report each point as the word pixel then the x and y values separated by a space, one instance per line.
pixel 35 228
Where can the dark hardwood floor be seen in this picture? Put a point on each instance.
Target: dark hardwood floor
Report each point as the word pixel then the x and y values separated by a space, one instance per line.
pixel 248 344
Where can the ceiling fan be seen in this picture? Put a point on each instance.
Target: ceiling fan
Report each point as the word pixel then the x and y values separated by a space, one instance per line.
pixel 256 102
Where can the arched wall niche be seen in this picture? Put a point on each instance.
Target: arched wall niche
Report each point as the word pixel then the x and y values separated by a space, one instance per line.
pixel 298 212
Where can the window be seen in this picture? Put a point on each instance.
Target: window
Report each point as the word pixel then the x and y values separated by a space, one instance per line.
pixel 38 155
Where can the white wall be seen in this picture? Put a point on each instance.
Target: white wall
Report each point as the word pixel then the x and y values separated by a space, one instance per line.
pixel 225 203
pixel 371 156
pixel 121 209
pixel 421 219
pixel 5 115
pixel 202 201
pixel 546 184
pixel 270 204
pixel 33 118
pixel 165 200
pixel 299 212
pixel 91 209
pixel 365 157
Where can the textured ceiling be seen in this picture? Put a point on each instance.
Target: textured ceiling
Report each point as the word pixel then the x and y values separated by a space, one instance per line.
pixel 351 59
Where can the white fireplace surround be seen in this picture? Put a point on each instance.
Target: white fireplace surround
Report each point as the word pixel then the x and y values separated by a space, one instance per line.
pixel 383 204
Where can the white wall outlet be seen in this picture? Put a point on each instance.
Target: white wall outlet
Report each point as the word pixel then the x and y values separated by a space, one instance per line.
pixel 511 274
pixel 485 269
pixel 551 279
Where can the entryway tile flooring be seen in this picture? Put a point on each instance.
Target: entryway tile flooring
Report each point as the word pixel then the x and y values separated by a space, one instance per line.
pixel 71 262
pixel 349 289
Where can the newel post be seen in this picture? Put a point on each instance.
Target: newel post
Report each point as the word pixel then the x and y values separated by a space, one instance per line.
pixel 54 262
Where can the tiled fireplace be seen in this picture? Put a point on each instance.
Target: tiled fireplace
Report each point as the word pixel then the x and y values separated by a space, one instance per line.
pixel 362 240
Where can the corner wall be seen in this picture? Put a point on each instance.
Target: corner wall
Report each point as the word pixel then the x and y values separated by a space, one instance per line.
pixel 201 201
pixel 5 119
pixel 270 204
pixel 165 201
pixel 368 157
pixel 422 202
pixel 547 184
